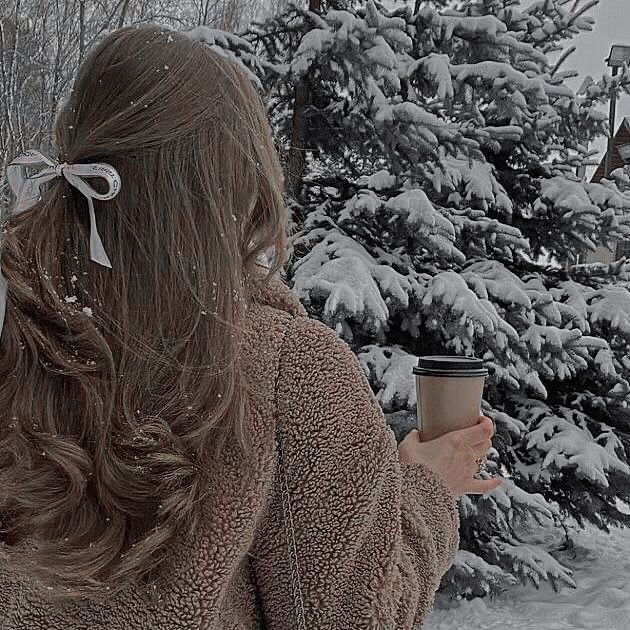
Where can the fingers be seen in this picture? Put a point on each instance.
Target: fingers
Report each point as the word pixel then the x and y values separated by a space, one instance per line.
pixel 481 486
pixel 482 431
pixel 479 450
pixel 481 446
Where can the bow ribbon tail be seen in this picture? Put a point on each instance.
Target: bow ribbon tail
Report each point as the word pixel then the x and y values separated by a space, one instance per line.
pixel 97 251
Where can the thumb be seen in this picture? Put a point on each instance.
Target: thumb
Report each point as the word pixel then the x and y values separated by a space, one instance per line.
pixel 481 424
pixel 415 435
pixel 482 486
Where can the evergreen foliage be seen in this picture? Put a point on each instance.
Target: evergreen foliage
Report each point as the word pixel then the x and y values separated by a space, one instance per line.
pixel 439 212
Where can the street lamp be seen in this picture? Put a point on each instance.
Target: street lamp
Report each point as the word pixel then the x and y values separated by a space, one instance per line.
pixel 619 55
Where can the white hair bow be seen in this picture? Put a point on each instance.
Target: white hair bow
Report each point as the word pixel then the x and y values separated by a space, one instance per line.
pixel 27 191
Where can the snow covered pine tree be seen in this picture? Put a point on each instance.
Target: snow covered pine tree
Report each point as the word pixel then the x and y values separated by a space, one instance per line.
pixel 438 212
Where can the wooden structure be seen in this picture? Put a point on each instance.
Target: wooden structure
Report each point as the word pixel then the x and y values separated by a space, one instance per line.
pixel 622 138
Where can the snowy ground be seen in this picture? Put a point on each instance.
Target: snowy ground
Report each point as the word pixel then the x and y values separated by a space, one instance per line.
pixel 601 565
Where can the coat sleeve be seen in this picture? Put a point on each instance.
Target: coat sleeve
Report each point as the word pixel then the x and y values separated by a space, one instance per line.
pixel 373 537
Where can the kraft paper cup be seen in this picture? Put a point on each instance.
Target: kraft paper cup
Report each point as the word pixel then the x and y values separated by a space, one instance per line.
pixel 449 392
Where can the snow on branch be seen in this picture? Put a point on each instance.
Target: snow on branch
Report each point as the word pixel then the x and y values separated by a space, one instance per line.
pixel 610 306
pixel 530 561
pixel 409 214
pixel 475 180
pixel 353 285
pixel 566 445
pixel 476 577
pixel 390 369
pixel 233 47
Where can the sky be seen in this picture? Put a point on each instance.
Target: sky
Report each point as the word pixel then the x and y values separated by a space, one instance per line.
pixel 612 26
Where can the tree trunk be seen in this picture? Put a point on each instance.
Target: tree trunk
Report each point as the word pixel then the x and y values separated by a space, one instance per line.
pixel 296 160
pixel 123 14
pixel 81 29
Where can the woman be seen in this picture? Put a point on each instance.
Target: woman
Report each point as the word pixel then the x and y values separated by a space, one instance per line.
pixel 140 398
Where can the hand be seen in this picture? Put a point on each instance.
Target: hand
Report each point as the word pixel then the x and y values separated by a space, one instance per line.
pixel 452 456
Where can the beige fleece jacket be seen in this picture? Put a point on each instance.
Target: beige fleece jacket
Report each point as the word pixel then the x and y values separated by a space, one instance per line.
pixel 373 537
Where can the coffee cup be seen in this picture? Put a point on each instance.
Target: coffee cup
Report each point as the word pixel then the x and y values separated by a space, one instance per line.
pixel 449 392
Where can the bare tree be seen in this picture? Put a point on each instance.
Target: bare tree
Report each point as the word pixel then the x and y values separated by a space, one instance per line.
pixel 42 42
pixel 81 30
pixel 296 160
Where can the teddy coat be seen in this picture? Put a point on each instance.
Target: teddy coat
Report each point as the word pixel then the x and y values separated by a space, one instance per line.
pixel 373 537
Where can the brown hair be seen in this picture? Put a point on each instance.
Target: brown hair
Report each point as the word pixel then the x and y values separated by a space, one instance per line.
pixel 118 386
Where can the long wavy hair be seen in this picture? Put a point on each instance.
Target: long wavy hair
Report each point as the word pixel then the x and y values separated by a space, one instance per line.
pixel 119 386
